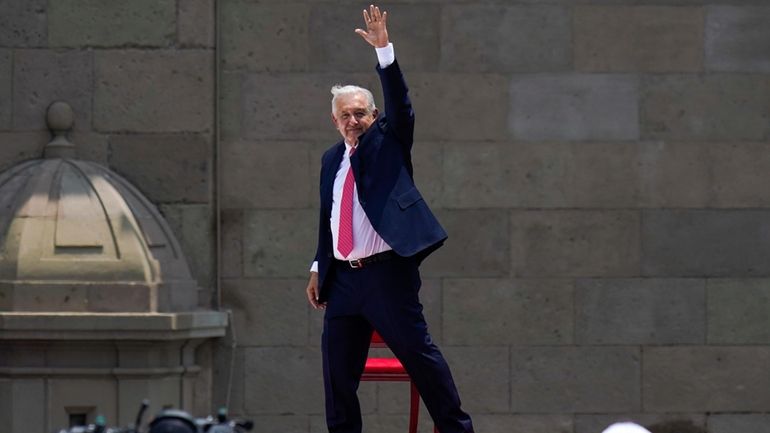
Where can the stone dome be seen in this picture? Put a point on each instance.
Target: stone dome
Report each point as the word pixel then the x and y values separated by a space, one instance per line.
pixel 75 236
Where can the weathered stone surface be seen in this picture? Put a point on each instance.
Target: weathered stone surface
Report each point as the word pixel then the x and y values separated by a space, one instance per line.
pixel 697 243
pixel 154 91
pixel 738 38
pixel 542 175
pixel 279 243
pixel 481 376
pixel 271 174
pixel 267 312
pixel 42 77
pixel 477 246
pixel 499 312
pixel 23 23
pixel 740 175
pixel 737 311
pixel 232 243
pixel 16 147
pixel 522 423
pixel 469 107
pixel 76 23
pixel 229 363
pixel 597 423
pixel 575 379
pixel 6 88
pixel 705 107
pixel 269 390
pixel 196 23
pixel 575 107
pixel 265 37
pixel 497 38
pixel 575 243
pixel 266 112
pixel 194 227
pixel 706 379
pixel 24 411
pixel 640 311
pixel 730 423
pixel 167 168
pixel 638 39
pixel 675 174
pixel 334 46
pixel 91 146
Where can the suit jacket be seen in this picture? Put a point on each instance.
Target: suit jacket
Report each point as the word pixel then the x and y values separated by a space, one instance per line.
pixel 382 167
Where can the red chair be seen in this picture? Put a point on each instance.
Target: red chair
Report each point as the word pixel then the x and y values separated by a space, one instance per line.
pixel 391 370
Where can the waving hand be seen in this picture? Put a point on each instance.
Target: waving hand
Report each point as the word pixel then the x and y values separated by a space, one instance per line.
pixel 376 32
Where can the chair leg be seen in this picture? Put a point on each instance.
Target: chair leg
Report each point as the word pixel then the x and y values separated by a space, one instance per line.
pixel 414 408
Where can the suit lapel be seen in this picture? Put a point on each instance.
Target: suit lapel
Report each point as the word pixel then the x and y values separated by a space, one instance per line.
pixel 330 168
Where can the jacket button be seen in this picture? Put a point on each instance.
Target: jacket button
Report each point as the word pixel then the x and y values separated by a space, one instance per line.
pixel 328 255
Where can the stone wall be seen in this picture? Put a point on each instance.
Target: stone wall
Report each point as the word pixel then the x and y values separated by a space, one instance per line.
pixel 601 167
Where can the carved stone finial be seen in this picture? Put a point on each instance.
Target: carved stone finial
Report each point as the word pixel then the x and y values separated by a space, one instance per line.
pixel 60 119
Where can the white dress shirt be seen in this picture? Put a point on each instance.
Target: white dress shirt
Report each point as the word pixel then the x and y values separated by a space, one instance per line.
pixel 366 241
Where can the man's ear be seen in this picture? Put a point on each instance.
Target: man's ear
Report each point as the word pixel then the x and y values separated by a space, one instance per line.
pixel 334 120
pixel 375 113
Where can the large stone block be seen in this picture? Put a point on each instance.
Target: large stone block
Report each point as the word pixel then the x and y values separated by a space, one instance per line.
pixel 574 107
pixel 575 379
pixel 23 23
pixel 638 39
pixel 469 107
pixel 42 77
pixel 701 243
pixel 265 37
pixel 279 243
pixel 501 312
pixel 269 105
pixel 738 38
pixel 706 379
pixel 541 175
pixel 232 243
pixel 575 243
pixel 229 363
pixel 334 46
pixel 6 88
pixel 91 146
pixel 20 146
pixel 731 423
pixel 737 311
pixel 167 168
pixel 497 38
pixel 283 380
pixel 195 229
pixel 196 23
pixel 740 173
pixel 154 91
pixel 674 174
pixel 593 423
pixel 267 312
pixel 477 246
pixel 481 376
pixel 522 423
pixel 640 311
pixel 705 107
pixel 272 174
pixel 77 23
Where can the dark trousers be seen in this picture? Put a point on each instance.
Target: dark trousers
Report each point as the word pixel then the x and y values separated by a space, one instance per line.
pixel 382 296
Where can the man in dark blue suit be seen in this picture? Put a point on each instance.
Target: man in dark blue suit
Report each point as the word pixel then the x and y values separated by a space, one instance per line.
pixel 374 231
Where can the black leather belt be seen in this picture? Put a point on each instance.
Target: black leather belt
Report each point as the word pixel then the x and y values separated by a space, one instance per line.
pixel 366 261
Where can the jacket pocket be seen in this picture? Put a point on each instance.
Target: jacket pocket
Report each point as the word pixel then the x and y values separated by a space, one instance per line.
pixel 408 198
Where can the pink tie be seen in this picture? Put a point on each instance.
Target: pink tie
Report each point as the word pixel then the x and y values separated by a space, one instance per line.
pixel 345 239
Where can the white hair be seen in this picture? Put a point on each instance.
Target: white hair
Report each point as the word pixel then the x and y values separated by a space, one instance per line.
pixel 338 90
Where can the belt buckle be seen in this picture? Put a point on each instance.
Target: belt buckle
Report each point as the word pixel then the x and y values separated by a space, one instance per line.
pixel 356 264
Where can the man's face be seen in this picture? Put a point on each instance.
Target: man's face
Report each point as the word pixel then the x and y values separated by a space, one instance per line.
pixel 352 117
